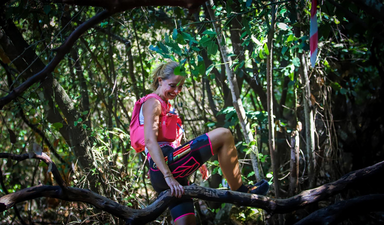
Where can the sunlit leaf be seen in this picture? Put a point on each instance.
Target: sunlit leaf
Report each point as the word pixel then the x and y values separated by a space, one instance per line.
pixel 209 69
pixel 266 50
pixel 176 71
pixel 296 62
pixel 282 26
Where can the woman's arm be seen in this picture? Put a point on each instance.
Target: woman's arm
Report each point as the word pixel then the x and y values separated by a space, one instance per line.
pixel 151 112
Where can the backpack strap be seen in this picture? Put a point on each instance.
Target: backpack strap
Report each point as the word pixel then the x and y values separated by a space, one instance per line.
pixel 162 102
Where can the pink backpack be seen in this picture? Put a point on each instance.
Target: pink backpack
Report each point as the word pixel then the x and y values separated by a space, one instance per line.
pixel 169 128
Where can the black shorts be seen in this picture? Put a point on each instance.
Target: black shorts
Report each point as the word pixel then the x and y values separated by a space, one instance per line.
pixel 201 151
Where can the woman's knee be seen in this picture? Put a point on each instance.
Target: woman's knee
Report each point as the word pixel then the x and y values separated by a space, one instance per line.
pixel 219 137
pixel 224 133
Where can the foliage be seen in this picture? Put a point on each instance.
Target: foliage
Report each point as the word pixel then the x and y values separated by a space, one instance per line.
pixel 88 110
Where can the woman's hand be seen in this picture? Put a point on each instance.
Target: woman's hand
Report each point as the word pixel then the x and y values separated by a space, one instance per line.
pixel 176 189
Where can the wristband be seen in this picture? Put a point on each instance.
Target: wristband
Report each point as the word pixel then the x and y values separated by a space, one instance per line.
pixel 170 175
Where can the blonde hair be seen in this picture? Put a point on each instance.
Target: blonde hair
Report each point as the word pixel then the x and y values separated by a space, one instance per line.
pixel 164 71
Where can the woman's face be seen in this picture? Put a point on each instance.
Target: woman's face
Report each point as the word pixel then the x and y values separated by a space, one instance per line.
pixel 171 87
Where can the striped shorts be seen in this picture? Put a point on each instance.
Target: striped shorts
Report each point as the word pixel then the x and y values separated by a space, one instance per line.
pixel 201 151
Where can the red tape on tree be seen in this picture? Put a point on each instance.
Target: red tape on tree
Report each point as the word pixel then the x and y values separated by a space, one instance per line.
pixel 313 33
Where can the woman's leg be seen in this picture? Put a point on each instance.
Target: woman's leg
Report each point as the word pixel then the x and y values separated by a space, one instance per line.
pixel 223 145
pixel 186 220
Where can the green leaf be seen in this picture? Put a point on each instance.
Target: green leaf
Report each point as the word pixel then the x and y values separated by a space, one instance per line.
pixel 209 32
pixel 296 62
pixel 210 124
pixel 220 172
pixel 163 47
pixel 266 49
pixel 290 38
pixel 103 24
pixel 336 86
pixel 186 36
pixel 212 48
pixel 343 91
pixel 166 38
pixel 177 71
pixel 174 47
pixel 209 69
pixel 251 174
pixel 58 125
pixel 228 7
pixel 204 41
pixel 248 3
pixel 47 9
pixel 284 49
pixel 201 67
pixel 245 23
pixel 154 48
pixel 174 34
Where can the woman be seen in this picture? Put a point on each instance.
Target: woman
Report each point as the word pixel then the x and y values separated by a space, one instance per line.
pixel 173 175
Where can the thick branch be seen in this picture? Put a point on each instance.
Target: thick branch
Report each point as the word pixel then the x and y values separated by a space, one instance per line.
pixel 336 213
pixel 122 5
pixel 134 216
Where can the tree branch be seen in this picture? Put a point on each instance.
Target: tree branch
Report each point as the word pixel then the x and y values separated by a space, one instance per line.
pixel 43 157
pixel 336 213
pixel 135 216
pixel 61 51
pixel 122 5
pixel 112 7
pixel 43 136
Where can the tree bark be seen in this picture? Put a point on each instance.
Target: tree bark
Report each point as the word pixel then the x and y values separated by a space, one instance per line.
pixel 309 122
pixel 271 121
pixel 237 103
pixel 294 163
pixel 370 175
pixel 340 211
pixel 122 5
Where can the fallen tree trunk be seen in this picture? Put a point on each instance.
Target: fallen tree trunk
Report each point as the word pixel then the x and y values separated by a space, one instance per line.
pixel 336 213
pixel 140 216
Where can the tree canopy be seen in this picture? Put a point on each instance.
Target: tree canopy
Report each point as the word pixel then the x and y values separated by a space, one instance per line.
pixel 71 72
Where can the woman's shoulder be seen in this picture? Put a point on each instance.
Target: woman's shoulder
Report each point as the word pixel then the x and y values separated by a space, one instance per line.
pixel 153 105
pixel 153 101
